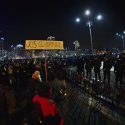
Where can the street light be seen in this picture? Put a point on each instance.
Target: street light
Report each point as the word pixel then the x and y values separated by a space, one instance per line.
pixel 122 36
pixel 87 12
pixel 99 17
pixel 77 20
pixel 2 38
pixel 89 23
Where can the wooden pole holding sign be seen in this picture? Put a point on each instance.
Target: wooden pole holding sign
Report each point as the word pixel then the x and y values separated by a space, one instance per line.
pixel 46 67
pixel 45 45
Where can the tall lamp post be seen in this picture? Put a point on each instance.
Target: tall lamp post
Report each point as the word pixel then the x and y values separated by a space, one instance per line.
pixel 122 36
pixel 89 24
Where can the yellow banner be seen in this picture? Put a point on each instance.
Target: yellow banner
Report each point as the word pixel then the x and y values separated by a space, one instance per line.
pixel 43 44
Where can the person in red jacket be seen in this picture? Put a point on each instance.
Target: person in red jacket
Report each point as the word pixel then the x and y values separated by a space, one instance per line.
pixel 47 106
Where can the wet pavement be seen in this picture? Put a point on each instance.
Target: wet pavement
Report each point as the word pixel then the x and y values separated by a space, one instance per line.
pixel 80 108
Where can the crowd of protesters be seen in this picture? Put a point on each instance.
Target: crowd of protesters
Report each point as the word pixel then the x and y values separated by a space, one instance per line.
pixel 103 65
pixel 23 89
pixel 23 83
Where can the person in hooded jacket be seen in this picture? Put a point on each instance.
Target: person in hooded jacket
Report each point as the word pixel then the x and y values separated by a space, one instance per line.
pixel 32 89
pixel 34 82
pixel 47 108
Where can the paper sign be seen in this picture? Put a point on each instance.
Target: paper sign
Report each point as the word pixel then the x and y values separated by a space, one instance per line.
pixel 43 44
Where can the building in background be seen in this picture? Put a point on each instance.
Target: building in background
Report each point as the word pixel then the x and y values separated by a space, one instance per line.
pixel 2 42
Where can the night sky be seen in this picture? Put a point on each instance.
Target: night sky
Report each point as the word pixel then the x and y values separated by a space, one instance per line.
pixel 37 19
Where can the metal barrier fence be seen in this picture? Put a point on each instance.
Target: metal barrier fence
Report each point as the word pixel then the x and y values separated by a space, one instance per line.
pixel 92 102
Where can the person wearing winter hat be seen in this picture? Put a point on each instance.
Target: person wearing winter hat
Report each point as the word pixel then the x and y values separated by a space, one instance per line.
pixel 36 75
pixel 33 83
